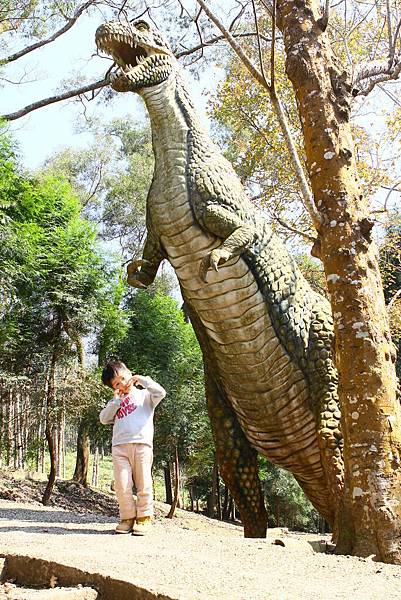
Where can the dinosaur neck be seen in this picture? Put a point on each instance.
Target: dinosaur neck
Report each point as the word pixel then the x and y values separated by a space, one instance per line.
pixel 171 113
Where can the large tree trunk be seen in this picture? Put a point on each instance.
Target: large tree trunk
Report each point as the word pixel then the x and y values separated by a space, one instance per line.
pixel 176 485
pixel 370 520
pixel 215 504
pixel 50 428
pixel 95 470
pixel 83 441
pixel 18 431
pixel 167 484
pixel 10 429
pixel 83 450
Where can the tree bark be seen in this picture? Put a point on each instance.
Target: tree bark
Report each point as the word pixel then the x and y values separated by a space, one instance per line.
pixel 215 508
pixel 41 437
pixel 83 441
pixel 50 429
pixel 176 485
pixel 224 515
pixel 2 424
pixel 167 484
pixel 370 519
pixel 10 436
pixel 191 489
pixel 82 462
pixel 18 431
pixel 95 470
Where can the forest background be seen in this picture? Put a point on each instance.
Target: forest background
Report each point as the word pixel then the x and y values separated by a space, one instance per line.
pixel 69 225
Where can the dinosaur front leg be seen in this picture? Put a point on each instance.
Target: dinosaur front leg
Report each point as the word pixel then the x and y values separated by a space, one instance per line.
pixel 142 272
pixel 237 236
pixel 237 461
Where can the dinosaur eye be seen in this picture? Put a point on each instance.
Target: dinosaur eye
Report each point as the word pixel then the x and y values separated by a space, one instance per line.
pixel 142 26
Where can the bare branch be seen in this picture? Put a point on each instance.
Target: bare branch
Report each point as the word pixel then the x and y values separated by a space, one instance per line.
pixel 389 94
pixel 236 47
pixel 237 17
pixel 373 69
pixel 66 27
pixel 215 40
pixel 21 80
pixel 396 34
pixel 393 299
pixel 389 26
pixel 268 6
pixel 392 73
pixel 324 19
pixel 258 40
pixel 392 189
pixel 286 225
pixel 273 48
pixel 280 114
pixel 52 99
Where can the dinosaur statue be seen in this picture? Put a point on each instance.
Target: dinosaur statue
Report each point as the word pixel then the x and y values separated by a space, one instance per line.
pixel 266 336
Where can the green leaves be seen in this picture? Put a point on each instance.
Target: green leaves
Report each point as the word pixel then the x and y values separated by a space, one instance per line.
pixel 51 265
pixel 161 344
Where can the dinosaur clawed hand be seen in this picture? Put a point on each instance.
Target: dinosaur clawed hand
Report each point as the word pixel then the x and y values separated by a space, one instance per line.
pixel 212 261
pixel 134 273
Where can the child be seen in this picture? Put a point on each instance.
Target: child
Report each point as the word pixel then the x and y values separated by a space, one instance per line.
pixel 131 410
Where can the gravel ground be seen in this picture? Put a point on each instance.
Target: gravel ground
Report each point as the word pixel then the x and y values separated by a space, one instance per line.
pixel 189 557
pixel 194 558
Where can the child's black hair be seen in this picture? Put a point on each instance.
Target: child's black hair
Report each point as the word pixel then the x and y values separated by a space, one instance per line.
pixel 111 370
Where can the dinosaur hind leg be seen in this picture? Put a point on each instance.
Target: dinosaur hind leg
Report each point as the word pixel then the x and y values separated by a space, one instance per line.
pixel 237 461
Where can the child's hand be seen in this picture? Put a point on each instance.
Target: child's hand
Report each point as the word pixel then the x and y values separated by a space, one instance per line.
pixel 131 382
pixel 134 379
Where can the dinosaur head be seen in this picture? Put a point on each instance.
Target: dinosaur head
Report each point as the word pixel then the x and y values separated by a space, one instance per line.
pixel 143 56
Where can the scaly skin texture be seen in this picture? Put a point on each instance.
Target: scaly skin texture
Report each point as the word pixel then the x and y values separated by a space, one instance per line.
pixel 266 336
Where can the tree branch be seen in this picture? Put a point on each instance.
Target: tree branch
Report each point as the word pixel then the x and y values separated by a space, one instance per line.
pixel 286 225
pixel 324 19
pixel 389 28
pixel 279 111
pixel 66 27
pixel 52 99
pixel 396 34
pixel 392 73
pixel 236 47
pixel 259 46
pixel 367 70
pixel 393 299
pixel 214 40
pixel 268 6
pixel 391 190
pixel 273 48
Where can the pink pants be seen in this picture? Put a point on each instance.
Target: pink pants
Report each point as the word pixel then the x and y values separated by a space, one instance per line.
pixel 133 462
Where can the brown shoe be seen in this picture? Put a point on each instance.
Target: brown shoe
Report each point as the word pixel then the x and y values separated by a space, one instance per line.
pixel 142 525
pixel 125 526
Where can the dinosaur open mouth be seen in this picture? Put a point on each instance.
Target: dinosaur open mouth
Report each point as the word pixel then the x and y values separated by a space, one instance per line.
pixel 140 64
pixel 144 59
pixel 124 50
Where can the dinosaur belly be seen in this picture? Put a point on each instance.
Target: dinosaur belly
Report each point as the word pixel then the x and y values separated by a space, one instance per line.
pixel 267 390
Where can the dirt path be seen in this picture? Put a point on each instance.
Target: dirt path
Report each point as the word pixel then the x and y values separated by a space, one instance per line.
pixel 194 558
